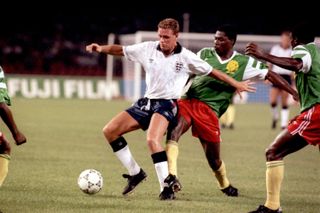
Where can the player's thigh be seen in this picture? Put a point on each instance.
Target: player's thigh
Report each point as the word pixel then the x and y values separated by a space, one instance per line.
pixel 157 128
pixel 121 124
pixel 178 130
pixel 211 148
pixel 273 94
pixel 284 144
pixel 205 123
pixel 284 98
pixel 183 121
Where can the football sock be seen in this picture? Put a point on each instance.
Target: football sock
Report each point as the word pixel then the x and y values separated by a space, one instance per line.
pixel 284 116
pixel 221 175
pixel 274 112
pixel 122 151
pixel 161 165
pixel 274 176
pixel 231 112
pixel 223 119
pixel 172 153
pixel 4 164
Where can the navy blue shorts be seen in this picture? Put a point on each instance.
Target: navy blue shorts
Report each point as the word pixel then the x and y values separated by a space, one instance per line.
pixel 143 109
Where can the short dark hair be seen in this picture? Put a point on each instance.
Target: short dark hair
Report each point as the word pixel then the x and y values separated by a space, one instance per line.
pixel 229 30
pixel 304 33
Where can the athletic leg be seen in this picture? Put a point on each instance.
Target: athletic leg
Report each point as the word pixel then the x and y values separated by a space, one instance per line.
pixel 5 150
pixel 158 127
pixel 284 109
pixel 113 131
pixel 284 144
pixel 273 95
pixel 212 152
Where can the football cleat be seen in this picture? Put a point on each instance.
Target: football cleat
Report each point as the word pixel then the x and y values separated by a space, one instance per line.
pixel 264 209
pixel 230 191
pixel 173 182
pixel 167 194
pixel 133 181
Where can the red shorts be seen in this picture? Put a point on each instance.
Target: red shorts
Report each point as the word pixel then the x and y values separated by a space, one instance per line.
pixel 204 121
pixel 307 125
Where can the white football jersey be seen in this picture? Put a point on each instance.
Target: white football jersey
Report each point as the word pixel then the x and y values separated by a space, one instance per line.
pixel 165 75
pixel 277 50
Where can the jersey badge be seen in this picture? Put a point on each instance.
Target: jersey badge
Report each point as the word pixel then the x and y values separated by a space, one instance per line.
pixel 232 67
pixel 179 66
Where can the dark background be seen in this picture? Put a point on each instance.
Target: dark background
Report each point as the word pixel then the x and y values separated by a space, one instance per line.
pixel 57 31
pixel 97 17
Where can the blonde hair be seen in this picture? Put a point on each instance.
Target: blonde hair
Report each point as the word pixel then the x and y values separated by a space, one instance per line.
pixel 169 23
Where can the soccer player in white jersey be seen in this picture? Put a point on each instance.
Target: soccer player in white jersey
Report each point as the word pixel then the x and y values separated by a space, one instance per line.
pixel 282 50
pixel 168 66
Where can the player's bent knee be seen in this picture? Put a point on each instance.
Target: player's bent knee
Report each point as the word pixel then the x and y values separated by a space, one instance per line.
pixel 174 138
pixel 271 154
pixel 5 147
pixel 215 164
pixel 109 131
pixel 2 105
pixel 153 145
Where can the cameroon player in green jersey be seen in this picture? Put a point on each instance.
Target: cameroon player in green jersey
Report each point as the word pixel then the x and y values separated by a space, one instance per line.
pixel 6 114
pixel 304 129
pixel 207 99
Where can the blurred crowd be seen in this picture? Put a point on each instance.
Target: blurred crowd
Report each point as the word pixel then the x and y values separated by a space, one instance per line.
pixel 53 41
pixel 24 53
pixel 56 46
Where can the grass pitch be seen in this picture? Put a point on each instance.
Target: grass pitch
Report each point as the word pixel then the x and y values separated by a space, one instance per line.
pixel 64 138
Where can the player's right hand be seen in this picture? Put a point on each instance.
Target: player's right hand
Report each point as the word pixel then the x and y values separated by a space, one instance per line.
pixel 93 47
pixel 254 50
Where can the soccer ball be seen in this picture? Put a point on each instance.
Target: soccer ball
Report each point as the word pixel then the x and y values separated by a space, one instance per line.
pixel 90 181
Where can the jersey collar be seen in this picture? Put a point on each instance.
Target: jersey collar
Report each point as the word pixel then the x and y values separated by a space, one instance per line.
pixel 176 50
pixel 227 60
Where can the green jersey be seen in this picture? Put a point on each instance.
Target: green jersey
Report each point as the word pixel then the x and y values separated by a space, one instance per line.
pixel 4 96
pixel 308 78
pixel 2 82
pixel 215 93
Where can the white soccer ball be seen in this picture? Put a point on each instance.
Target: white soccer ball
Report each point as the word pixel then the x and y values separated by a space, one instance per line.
pixel 90 181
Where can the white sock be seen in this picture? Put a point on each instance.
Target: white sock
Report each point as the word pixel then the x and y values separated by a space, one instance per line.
pixel 162 172
pixel 274 111
pixel 127 160
pixel 284 117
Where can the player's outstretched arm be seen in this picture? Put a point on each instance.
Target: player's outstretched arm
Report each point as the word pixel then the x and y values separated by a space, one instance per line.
pixel 287 63
pixel 277 80
pixel 239 85
pixel 112 49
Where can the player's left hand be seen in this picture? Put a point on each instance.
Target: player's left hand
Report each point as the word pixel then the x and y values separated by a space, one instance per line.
pixel 245 86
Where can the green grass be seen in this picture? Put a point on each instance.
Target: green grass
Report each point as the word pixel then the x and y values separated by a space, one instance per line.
pixel 64 138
